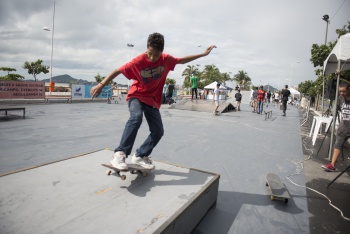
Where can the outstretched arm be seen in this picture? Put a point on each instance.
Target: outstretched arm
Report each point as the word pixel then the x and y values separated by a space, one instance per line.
pixel 194 57
pixel 96 90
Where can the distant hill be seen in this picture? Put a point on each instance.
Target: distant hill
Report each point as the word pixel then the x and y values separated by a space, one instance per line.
pixel 269 87
pixel 67 79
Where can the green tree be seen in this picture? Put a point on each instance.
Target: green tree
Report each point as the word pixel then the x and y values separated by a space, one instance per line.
pixel 10 76
pixel 99 78
pixel 170 81
pixel 210 74
pixel 243 80
pixel 7 69
pixel 307 87
pixel 225 77
pixel 35 68
pixel 344 30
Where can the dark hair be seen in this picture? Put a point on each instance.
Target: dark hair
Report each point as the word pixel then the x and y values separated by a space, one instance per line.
pixel 286 86
pixel 218 84
pixel 344 84
pixel 156 40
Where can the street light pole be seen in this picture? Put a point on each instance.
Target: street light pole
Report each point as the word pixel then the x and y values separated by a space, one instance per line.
pixel 52 33
pixel 291 71
pixel 325 18
pixel 130 45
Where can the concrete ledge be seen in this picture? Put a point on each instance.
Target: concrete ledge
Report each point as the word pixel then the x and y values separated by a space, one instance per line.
pixel 75 195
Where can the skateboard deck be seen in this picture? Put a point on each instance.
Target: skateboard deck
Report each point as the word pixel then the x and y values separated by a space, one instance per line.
pixel 278 189
pixel 132 168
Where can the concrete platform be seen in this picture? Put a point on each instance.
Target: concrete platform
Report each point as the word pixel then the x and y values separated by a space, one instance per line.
pixel 76 196
pixel 202 105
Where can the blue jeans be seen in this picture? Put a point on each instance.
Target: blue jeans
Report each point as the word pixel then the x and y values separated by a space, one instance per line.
pixel 260 107
pixel 154 120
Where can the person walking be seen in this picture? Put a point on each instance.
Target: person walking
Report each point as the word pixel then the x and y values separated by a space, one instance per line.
pixel 238 97
pixel 149 71
pixel 268 97
pixel 284 96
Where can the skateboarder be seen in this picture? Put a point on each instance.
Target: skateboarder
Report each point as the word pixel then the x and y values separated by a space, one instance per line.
pixel 216 98
pixel 149 71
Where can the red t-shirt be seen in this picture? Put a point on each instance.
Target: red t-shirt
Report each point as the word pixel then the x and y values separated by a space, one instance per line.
pixel 261 95
pixel 149 78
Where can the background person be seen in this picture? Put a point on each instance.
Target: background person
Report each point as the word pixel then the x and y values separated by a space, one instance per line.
pixel 343 131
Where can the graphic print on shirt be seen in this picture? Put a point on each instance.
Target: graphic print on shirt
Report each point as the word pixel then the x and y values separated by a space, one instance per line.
pixel 151 73
pixel 345 111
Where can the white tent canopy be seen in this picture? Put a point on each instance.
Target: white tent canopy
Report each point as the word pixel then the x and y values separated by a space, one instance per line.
pixel 340 55
pixel 337 61
pixel 294 92
pixel 213 86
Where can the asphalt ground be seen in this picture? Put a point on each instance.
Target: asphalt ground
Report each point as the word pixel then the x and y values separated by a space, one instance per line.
pixel 241 146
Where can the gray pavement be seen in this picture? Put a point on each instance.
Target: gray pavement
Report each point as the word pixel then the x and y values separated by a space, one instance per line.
pixel 241 146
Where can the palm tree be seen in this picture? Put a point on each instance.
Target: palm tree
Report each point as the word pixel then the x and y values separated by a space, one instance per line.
pixel 225 77
pixel 242 79
pixel 210 74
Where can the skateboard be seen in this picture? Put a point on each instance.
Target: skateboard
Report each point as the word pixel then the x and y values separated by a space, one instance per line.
pixel 132 168
pixel 278 189
pixel 217 113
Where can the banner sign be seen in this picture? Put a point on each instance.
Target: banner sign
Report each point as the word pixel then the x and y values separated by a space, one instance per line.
pixel 106 92
pixel 78 91
pixel 22 90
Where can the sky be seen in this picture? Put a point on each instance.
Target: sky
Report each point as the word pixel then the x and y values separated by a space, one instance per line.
pixel 270 40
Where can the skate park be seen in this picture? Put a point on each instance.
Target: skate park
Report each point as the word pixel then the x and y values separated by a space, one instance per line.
pixel 214 166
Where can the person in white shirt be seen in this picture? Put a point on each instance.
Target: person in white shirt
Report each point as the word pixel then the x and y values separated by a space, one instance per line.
pixel 216 98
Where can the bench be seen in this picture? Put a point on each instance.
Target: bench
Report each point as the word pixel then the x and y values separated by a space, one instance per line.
pixel 67 99
pixel 6 109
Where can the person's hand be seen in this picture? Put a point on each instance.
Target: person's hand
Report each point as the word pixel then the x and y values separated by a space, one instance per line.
pixel 96 90
pixel 208 50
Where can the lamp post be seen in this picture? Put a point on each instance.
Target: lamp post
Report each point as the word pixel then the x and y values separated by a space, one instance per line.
pixel 291 71
pixel 53 30
pixel 325 18
pixel 130 45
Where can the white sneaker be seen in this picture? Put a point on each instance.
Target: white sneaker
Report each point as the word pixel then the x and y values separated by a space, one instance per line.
pixel 118 160
pixel 144 162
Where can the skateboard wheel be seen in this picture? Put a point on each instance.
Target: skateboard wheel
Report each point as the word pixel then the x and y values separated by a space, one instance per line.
pixel 144 174
pixel 272 198
pixel 108 172
pixel 267 184
pixel 123 177
pixel 286 200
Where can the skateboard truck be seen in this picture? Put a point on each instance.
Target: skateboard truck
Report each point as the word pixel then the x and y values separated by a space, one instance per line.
pixel 132 168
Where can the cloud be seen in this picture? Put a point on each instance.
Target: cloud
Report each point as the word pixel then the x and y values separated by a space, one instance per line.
pixel 263 38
